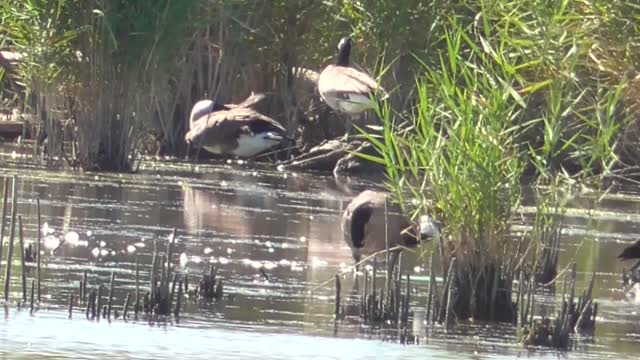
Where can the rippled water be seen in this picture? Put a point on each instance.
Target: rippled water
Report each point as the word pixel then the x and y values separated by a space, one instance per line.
pixel 242 218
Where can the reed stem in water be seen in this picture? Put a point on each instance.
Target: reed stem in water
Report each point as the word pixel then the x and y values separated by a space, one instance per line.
pixel 38 234
pixel 24 268
pixel 12 234
pixel 5 198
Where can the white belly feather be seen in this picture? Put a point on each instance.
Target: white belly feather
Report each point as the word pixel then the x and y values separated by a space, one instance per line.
pixel 249 146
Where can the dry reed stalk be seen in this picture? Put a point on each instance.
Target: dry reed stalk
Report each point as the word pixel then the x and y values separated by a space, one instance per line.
pixel 12 233
pixel 70 305
pixel 84 287
pixel 23 266
pixel 110 301
pixel 32 306
pixel 449 293
pixel 137 304
pixel 176 311
pixel 125 308
pixel 38 233
pixel 5 198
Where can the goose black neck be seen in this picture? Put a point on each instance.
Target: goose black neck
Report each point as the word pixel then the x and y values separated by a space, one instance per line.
pixel 343 55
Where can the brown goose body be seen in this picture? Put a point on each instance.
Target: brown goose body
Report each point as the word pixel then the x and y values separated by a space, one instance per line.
pixel 346 89
pixel 363 225
pixel 232 129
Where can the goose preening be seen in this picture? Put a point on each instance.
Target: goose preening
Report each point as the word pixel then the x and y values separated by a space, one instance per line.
pixel 233 129
pixel 346 89
pixel 363 226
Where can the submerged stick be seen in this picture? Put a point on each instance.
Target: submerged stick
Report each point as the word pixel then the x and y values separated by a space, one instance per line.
pixel 38 232
pixel 91 305
pixel 137 305
pixel 373 309
pixel 450 277
pixel 174 283
pixel 80 295
pixel 338 290
pixel 5 198
pixel 12 234
pixel 169 252
pixel 125 309
pixel 24 268
pixel 407 298
pixel 33 282
pixel 389 274
pixel 98 303
pixel 176 312
pixel 70 305
pixel 427 314
pixel 152 280
pixel 84 287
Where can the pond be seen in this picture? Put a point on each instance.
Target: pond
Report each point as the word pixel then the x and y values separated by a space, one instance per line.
pixel 273 236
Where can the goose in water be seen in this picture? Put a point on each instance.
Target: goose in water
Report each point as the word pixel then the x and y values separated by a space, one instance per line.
pixel 363 226
pixel 233 129
pixel 346 89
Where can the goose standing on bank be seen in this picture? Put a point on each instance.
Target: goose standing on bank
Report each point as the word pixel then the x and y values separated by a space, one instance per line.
pixel 345 89
pixel 233 129
pixel 363 226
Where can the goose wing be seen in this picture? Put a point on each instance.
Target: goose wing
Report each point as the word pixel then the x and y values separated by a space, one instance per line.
pixel 249 102
pixel 228 124
pixel 341 79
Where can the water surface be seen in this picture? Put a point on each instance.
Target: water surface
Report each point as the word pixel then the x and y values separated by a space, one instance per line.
pixel 243 218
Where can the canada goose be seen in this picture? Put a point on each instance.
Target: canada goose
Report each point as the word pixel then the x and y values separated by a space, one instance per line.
pixel 233 129
pixel 346 89
pixel 363 225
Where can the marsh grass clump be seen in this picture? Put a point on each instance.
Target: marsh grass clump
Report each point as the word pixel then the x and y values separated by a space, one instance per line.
pixel 461 162
pixel 497 103
pixel 210 287
pixel 95 70
pixel 574 317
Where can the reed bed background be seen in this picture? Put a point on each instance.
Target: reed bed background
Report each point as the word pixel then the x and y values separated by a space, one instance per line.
pixel 119 78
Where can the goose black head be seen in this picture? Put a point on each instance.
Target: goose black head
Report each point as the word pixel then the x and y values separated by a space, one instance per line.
pixel 344 51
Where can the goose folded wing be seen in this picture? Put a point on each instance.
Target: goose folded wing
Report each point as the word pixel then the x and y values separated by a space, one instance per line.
pixel 349 80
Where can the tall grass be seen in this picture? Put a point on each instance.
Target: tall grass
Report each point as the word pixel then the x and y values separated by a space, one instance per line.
pixel 95 68
pixel 513 92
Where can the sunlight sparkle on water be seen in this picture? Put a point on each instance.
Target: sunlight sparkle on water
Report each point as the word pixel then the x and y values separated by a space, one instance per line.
pixel 51 242
pixel 72 238
pixel 184 259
